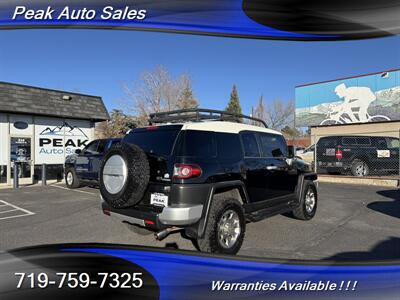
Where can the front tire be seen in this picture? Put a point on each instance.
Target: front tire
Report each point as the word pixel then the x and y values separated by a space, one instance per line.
pixel 308 202
pixel 71 179
pixel 225 229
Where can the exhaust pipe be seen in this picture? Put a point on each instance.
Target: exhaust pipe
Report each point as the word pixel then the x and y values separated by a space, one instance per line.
pixel 160 235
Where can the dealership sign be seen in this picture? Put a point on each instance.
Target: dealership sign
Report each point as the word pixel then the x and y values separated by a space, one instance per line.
pixel 58 141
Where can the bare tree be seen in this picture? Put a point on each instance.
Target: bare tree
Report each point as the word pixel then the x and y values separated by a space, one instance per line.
pixel 158 91
pixel 277 114
pixel 260 111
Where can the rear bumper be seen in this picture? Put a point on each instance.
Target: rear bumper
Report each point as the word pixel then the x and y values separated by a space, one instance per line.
pixel 330 164
pixel 159 218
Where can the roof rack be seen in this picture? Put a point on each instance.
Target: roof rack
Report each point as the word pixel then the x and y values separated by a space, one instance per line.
pixel 199 114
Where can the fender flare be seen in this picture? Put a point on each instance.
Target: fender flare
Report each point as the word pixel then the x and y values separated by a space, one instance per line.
pixel 201 225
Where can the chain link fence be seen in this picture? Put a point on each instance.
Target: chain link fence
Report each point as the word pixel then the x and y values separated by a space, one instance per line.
pixel 375 154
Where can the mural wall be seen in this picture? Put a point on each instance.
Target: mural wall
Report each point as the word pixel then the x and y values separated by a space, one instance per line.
pixel 369 98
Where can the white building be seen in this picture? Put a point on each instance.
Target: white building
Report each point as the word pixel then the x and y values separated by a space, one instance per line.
pixel 42 126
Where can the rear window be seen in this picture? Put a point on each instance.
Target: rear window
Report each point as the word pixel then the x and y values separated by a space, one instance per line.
pixel 349 141
pixel 156 140
pixel 197 143
pixel 364 141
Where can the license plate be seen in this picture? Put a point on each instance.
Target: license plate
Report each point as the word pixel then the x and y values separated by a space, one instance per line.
pixel 159 199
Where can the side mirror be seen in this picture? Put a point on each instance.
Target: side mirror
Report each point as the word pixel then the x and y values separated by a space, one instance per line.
pixel 78 151
pixel 291 153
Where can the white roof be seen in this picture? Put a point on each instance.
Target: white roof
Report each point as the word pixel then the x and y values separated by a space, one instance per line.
pixel 224 126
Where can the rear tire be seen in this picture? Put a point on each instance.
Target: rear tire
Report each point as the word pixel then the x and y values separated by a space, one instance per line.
pixel 71 179
pixel 124 175
pixel 308 202
pixel 359 168
pixel 225 228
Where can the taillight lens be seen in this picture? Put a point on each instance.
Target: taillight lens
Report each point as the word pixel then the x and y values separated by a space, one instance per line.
pixel 339 154
pixel 186 171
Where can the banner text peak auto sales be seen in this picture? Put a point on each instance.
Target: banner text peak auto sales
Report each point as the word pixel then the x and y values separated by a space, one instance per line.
pixel 67 13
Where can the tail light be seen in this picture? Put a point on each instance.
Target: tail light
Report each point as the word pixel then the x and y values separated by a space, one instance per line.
pixel 186 171
pixel 339 154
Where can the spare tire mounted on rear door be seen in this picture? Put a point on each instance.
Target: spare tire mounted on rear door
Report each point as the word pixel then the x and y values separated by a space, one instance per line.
pixel 124 175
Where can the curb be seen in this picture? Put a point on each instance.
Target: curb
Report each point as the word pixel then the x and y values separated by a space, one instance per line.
pixel 375 181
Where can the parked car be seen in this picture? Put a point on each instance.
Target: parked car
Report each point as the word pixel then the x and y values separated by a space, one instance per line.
pixel 201 172
pixel 307 154
pixel 358 155
pixel 83 166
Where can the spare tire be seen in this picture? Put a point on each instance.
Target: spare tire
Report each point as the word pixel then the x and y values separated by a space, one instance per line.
pixel 124 175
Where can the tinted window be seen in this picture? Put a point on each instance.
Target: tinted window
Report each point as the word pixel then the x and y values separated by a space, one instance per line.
pixel 250 144
pixel 157 140
pixel 197 143
pixel 393 143
pixel 327 142
pixel 272 145
pixel 102 146
pixel 349 141
pixel 363 141
pixel 92 147
pixel 382 144
pixel 229 147
pixel 116 142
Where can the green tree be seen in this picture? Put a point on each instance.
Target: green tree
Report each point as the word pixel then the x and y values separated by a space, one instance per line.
pixel 186 98
pixel 234 103
pixel 291 132
pixel 117 126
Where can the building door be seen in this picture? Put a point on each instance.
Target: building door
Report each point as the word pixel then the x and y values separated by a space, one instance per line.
pixel 21 154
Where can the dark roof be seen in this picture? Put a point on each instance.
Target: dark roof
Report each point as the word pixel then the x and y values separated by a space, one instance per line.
pixel 23 99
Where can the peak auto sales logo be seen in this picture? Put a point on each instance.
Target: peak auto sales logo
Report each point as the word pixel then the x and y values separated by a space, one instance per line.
pixel 67 134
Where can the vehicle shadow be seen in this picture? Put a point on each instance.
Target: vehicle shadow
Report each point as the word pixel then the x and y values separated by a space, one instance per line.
pixel 390 208
pixel 386 250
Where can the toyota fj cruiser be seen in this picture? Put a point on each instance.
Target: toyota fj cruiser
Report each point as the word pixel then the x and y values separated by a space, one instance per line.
pixel 207 173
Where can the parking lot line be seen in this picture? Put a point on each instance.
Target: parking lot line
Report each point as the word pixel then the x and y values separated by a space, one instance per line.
pixel 15 208
pixel 3 212
pixel 78 191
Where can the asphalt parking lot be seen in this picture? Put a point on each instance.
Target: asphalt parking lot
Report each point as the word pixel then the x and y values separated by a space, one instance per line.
pixel 352 222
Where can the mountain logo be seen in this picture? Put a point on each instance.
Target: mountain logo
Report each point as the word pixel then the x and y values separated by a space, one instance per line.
pixel 64 129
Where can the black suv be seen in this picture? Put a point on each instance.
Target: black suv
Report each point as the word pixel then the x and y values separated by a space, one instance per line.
pixel 358 155
pixel 205 172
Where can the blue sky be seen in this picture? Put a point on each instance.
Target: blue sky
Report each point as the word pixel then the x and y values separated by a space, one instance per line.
pixel 99 62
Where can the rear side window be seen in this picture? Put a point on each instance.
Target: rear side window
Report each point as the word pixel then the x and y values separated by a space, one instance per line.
pixel 327 142
pixel 157 140
pixel 272 145
pixel 197 143
pixel 250 145
pixel 228 145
